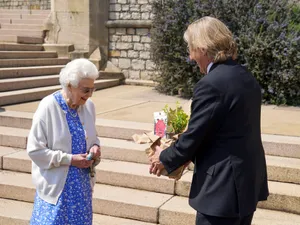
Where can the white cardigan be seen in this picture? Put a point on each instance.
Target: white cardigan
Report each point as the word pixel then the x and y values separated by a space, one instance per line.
pixel 50 145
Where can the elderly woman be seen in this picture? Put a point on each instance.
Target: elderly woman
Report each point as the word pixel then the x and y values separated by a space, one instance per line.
pixel 62 133
pixel 223 138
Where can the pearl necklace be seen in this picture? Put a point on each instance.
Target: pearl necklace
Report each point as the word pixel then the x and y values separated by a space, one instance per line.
pixel 73 115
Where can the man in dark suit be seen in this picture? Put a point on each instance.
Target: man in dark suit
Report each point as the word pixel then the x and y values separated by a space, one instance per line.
pixel 223 137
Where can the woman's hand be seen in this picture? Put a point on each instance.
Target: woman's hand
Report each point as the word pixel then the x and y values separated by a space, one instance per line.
pixel 96 151
pixel 80 161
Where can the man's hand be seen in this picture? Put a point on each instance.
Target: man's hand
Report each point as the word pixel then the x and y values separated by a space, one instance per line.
pixel 80 161
pixel 156 166
pixel 96 150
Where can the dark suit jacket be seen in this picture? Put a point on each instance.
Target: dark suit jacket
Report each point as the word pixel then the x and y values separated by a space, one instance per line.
pixel 223 139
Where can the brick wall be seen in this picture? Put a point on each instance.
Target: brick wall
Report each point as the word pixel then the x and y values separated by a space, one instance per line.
pixel 25 4
pixel 129 38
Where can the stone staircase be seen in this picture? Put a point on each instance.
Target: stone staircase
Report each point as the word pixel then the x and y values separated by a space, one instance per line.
pixel 22 26
pixel 125 193
pixel 27 71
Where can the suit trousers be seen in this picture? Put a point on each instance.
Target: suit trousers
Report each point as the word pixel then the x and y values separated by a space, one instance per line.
pixel 202 219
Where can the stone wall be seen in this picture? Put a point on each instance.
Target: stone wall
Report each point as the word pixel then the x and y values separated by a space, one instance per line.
pixel 130 10
pixel 25 4
pixel 129 37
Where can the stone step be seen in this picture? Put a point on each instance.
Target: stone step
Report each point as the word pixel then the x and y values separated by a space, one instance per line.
pixel 29 71
pixel 7 151
pixel 21 96
pixel 32 62
pixel 136 176
pixel 20 47
pixel 122 202
pixel 21 39
pixel 26 33
pixel 21 21
pixel 25 11
pixel 281 169
pixel 283 196
pixel 8 215
pixel 178 212
pixel 25 16
pixel 26 54
pixel 110 172
pixel 107 200
pixel 113 149
pixel 22 26
pixel 276 145
pixel 106 128
pixel 28 82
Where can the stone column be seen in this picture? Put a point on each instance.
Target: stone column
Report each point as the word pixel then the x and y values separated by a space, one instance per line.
pixel 81 23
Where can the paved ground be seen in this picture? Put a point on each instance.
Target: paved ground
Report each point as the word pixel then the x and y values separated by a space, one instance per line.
pixel 137 103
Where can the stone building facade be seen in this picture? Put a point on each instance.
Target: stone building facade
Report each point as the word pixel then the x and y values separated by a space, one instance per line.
pixel 129 37
pixel 121 28
pixel 25 4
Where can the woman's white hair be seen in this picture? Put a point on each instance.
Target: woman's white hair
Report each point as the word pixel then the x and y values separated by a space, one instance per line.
pixel 75 71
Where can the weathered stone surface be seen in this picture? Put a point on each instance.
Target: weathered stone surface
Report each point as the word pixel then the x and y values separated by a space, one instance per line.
pixel 145 16
pixel 147 47
pixel 146 40
pixel 124 63
pixel 124 54
pixel 142 31
pixel 124 46
pixel 133 54
pixel 125 16
pixel 120 31
pixel 114 38
pixel 138 46
pixel 136 38
pixel 150 65
pixel 130 31
pixel 122 1
pixel 145 55
pixel 125 7
pixel 136 16
pixel 135 8
pixel 112 30
pixel 21 4
pixel 138 64
pixel 143 1
pixel 114 16
pixel 115 7
pixel 134 74
pixel 115 62
pixel 146 8
pixel 112 45
pixel 114 53
pixel 127 38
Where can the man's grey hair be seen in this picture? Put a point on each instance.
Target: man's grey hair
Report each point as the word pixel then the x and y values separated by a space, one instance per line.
pixel 75 71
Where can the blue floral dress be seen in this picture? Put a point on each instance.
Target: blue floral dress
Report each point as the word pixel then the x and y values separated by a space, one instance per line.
pixel 74 206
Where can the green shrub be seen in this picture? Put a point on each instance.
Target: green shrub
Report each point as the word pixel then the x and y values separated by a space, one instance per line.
pixel 267 33
pixel 177 119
